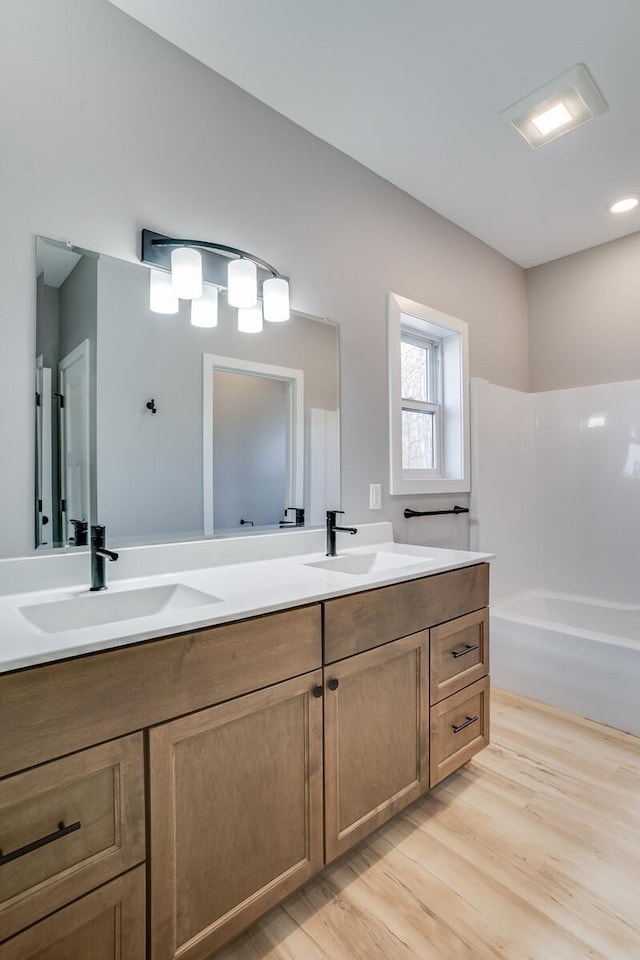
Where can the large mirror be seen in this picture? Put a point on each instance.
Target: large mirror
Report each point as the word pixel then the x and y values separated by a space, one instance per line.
pixel 164 431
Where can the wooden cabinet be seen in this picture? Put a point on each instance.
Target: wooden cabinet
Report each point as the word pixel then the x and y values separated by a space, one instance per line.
pixel 459 729
pixel 266 753
pixel 376 738
pixel 102 698
pixel 108 924
pixel 236 814
pixel 91 699
pixel 459 654
pixel 68 826
pixel 364 620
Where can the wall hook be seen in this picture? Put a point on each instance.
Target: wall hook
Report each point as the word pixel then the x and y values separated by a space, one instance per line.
pixel 151 405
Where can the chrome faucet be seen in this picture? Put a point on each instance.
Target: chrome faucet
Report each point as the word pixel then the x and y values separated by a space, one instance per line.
pixel 331 531
pixel 99 554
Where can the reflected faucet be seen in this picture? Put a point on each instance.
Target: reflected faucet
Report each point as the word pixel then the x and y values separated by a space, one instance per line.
pixel 299 520
pixel 99 554
pixel 332 529
pixel 81 529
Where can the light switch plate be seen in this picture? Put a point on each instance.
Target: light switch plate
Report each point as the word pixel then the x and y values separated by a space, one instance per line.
pixel 375 496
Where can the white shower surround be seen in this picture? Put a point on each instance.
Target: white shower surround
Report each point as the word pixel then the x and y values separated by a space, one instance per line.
pixel 556 496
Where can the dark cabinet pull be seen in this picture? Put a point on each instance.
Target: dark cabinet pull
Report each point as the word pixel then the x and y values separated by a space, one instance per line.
pixel 317 691
pixel 62 831
pixel 466 723
pixel 333 684
pixel 460 653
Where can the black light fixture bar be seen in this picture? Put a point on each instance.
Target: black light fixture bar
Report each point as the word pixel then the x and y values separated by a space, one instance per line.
pixel 156 252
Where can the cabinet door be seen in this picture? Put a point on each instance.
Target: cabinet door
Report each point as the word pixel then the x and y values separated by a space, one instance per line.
pixel 108 924
pixel 68 826
pixel 236 814
pixel 376 738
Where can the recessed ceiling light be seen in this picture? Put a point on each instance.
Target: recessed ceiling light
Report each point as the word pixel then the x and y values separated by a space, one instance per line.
pixel 552 119
pixel 556 108
pixel 624 205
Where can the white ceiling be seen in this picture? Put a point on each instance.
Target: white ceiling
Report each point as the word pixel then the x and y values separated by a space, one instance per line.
pixel 413 90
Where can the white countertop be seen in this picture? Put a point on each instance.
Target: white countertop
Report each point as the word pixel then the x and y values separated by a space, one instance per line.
pixel 244 588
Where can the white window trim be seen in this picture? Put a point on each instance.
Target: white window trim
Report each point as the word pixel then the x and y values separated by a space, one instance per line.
pixel 454 477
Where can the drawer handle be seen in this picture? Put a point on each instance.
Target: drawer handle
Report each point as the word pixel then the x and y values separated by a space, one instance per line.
pixel 461 653
pixel 466 723
pixel 62 831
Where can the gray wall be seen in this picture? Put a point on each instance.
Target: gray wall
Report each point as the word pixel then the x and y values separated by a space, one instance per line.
pixel 111 129
pixel 79 307
pixel 250 427
pixel 584 317
pixel 48 327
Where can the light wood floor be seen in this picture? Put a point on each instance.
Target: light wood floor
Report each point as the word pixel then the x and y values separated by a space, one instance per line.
pixel 531 852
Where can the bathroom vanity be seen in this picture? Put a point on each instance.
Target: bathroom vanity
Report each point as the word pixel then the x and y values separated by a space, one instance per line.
pixel 157 797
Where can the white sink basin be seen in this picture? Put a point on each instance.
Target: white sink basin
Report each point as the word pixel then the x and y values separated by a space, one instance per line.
pixel 362 563
pixel 92 609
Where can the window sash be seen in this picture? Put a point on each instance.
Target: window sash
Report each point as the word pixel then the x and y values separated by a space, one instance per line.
pixel 433 371
pixel 432 405
pixel 435 411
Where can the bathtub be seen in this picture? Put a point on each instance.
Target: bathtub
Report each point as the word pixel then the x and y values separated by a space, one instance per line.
pixel 573 652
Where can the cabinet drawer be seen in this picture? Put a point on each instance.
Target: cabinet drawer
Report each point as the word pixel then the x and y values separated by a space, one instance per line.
pixel 459 654
pixel 459 729
pixel 107 924
pixel 110 694
pixel 365 620
pixel 68 826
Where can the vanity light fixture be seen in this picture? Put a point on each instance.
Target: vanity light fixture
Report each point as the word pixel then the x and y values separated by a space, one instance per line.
pixel 204 310
pixel 162 296
pixel 556 108
pixel 250 319
pixel 246 278
pixel 242 291
pixel 186 273
pixel 275 300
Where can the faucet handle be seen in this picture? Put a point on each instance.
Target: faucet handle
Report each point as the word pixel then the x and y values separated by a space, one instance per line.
pixel 333 513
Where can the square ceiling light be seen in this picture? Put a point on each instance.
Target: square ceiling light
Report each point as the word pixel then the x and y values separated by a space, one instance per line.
pixel 556 108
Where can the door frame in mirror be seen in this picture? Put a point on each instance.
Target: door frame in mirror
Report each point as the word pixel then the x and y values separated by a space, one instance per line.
pixel 295 382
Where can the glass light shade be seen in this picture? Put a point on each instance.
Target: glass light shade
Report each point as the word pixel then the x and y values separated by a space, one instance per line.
pixel 242 283
pixel 250 319
pixel 162 297
pixel 186 273
pixel 204 310
pixel 275 300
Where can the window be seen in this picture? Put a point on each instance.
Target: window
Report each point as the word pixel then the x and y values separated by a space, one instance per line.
pixel 428 399
pixel 421 409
